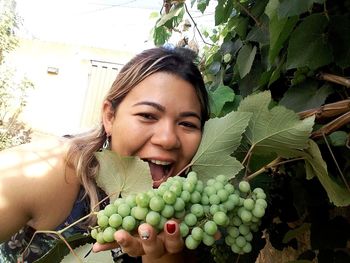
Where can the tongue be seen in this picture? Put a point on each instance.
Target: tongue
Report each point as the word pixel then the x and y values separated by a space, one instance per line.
pixel 157 171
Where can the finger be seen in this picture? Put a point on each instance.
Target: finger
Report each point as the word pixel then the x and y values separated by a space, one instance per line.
pixel 173 241
pixel 152 245
pixel 102 247
pixel 129 244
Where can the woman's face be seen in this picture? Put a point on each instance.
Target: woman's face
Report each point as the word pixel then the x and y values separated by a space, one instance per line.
pixel 160 122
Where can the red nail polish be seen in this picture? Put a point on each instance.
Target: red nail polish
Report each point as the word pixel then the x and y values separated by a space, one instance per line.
pixel 170 228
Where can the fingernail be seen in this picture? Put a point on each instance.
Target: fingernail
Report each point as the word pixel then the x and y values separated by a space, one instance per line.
pixel 170 228
pixel 144 234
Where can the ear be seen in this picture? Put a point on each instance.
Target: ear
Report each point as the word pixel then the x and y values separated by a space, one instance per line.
pixel 108 114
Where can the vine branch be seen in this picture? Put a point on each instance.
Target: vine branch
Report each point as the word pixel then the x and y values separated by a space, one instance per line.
pixel 248 13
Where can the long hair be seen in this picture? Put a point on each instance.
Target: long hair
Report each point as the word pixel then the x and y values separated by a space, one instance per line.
pixel 177 61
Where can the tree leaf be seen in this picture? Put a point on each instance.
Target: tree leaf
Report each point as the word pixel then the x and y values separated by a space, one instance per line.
pixel 289 8
pixel 82 251
pixel 176 11
pixel 308 45
pixel 274 130
pixel 122 175
pixel 223 11
pixel 305 96
pixel 245 59
pixel 219 97
pixel 316 166
pixel 220 139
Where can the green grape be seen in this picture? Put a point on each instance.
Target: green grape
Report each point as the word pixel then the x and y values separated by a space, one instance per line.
pixel 186 196
pixel 244 186
pixel 169 197
pixel 124 210
pixel 214 199
pixel 236 221
pixel 101 213
pixel 110 209
pixel 258 190
pixel 161 189
pixel 243 229
pixel 190 219
pixel 156 203
pixel 130 200
pixel 192 177
pixel 180 214
pixel 119 201
pixel 209 190
pixel 229 240
pixel 115 220
pixel 179 205
pixel 229 188
pixel 102 221
pixel 195 197
pixel 205 199
pixel 258 211
pixel 168 211
pixel 240 241
pixel 229 205
pixel 197 233
pixel 108 234
pixel 247 248
pixel 184 229
pixel 162 222
pixel 222 194
pixel 249 236
pixel 153 218
pixel 191 243
pixel 199 187
pixel 211 182
pixel 218 185
pixel 213 209
pixel 261 202
pixel 221 178
pixel 236 249
pixel 210 227
pixel 140 212
pixel 261 195
pixel 197 210
pixel 248 204
pixel 234 199
pixel 208 240
pixel 129 223
pixel 188 186
pixel 220 218
pixel 93 233
pixel 142 199
pixel 233 231
pixel 246 216
pixel 99 238
pixel 176 188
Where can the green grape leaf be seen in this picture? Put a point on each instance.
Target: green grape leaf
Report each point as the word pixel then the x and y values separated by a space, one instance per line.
pixel 291 234
pixel 220 139
pixel 82 251
pixel 245 59
pixel 122 175
pixel 275 130
pixel 289 8
pixel 316 166
pixel 317 51
pixel 219 97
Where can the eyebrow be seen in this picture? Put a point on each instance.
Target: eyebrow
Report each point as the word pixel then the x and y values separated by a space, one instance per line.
pixel 162 109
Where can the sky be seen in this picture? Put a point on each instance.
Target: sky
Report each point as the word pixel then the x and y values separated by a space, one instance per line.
pixel 115 24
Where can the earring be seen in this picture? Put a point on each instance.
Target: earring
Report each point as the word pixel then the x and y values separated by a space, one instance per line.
pixel 105 145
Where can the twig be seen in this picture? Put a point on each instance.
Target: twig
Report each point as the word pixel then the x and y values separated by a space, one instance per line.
pixel 334 78
pixel 195 25
pixel 55 233
pixel 248 13
pixel 278 161
pixel 332 126
pixel 336 163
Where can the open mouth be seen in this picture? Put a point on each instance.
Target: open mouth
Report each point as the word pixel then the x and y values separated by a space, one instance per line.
pixel 160 171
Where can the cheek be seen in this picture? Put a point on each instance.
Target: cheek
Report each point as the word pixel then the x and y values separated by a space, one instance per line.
pixel 191 146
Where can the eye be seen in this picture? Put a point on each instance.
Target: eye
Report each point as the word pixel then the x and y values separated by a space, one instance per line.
pixel 190 125
pixel 146 116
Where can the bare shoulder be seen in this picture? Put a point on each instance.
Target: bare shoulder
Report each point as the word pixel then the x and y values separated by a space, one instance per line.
pixel 34 177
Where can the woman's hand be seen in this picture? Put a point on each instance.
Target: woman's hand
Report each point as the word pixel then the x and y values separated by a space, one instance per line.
pixel 148 243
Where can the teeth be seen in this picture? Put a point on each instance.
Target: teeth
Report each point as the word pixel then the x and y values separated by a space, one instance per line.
pixel 159 162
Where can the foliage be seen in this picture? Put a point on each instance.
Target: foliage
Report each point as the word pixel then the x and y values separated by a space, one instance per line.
pixel 299 52
pixel 13 92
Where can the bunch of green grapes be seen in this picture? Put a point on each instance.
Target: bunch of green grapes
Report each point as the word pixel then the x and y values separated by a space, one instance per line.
pixel 203 210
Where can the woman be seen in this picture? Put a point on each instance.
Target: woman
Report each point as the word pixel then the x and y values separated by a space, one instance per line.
pixel 155 109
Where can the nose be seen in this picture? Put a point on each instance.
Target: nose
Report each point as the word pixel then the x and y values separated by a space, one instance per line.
pixel 165 135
